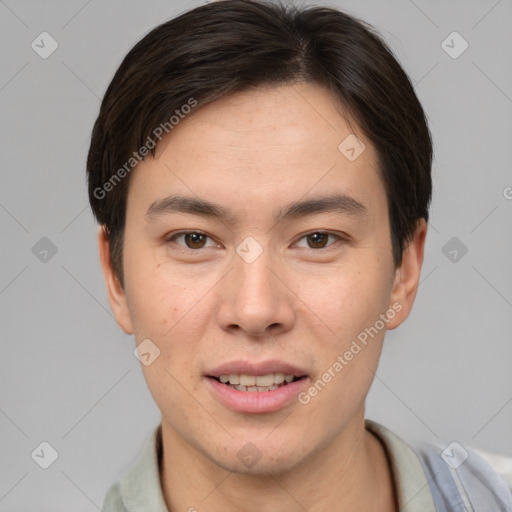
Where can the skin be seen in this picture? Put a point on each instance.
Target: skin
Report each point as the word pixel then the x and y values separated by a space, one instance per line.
pixel 255 152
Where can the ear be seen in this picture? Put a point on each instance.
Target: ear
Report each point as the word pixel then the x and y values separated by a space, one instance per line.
pixel 115 292
pixel 407 276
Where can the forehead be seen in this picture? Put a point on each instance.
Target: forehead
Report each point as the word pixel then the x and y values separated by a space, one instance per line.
pixel 261 147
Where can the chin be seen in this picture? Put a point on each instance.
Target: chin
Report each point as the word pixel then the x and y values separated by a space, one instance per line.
pixel 249 460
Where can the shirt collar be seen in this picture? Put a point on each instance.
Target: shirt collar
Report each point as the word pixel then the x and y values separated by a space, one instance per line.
pixel 140 486
pixel 411 484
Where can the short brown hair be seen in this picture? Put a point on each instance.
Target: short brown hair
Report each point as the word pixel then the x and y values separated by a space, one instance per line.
pixel 232 45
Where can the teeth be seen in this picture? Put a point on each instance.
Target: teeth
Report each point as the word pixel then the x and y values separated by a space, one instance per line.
pixel 252 381
pixel 278 378
pixel 251 389
pixel 265 380
pixel 246 380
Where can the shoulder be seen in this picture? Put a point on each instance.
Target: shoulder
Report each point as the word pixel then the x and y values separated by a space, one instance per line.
pixel 113 501
pixel 138 487
pixel 451 474
pixel 500 463
pixel 474 477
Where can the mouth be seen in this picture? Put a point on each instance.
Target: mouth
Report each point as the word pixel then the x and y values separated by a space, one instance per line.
pixel 257 383
pixel 247 387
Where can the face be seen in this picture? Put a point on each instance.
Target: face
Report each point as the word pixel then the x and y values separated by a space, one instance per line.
pixel 254 247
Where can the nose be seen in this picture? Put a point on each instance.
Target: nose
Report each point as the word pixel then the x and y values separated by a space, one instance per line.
pixel 255 298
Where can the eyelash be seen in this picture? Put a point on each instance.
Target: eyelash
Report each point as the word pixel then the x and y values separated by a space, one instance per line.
pixel 173 236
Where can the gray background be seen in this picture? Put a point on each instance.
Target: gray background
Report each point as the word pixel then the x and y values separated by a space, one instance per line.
pixel 68 374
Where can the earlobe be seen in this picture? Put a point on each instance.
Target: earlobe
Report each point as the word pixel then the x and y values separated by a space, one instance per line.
pixel 407 276
pixel 116 294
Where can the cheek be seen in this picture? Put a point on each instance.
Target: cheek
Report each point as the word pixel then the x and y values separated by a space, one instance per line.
pixel 348 352
pixel 172 390
pixel 350 298
pixel 175 316
pixel 348 308
pixel 160 302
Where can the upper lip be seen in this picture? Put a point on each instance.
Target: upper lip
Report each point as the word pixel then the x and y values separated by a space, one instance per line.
pixel 251 368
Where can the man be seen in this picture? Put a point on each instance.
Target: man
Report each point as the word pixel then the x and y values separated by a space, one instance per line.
pixel 261 177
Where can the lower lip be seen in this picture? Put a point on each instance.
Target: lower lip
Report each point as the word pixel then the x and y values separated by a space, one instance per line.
pixel 257 401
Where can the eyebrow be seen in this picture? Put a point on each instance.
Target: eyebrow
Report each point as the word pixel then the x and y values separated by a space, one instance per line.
pixel 340 203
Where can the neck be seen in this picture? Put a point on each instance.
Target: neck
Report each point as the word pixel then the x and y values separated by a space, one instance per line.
pixel 351 473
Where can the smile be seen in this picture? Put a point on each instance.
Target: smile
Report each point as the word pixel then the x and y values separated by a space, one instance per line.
pixel 252 383
pixel 257 393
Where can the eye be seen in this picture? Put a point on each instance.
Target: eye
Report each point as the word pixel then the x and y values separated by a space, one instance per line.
pixel 192 239
pixel 196 240
pixel 319 239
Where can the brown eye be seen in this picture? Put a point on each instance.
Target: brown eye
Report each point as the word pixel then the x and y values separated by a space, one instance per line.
pixel 317 240
pixel 195 240
pixel 191 240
